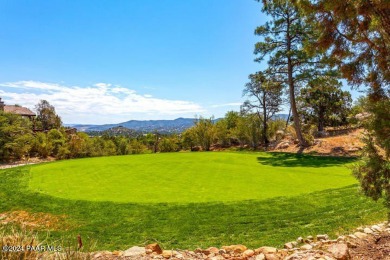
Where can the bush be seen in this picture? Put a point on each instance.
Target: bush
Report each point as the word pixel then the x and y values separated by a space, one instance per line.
pixel 168 145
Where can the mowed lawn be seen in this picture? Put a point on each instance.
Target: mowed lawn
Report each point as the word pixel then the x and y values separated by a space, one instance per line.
pixel 190 200
pixel 189 177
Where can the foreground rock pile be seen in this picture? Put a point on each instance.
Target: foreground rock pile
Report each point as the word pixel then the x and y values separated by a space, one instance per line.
pixel 366 243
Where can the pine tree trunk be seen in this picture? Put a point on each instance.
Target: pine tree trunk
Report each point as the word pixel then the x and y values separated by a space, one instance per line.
pixel 265 124
pixel 291 88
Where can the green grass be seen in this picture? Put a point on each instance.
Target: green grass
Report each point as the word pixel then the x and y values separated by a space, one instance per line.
pixel 183 200
pixel 189 177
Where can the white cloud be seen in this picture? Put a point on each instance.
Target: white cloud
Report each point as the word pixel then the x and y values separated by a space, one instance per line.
pixel 99 103
pixel 228 104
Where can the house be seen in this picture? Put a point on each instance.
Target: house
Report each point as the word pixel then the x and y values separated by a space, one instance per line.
pixel 18 110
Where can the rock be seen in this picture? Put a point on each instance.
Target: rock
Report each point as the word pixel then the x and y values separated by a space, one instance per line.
pixel 213 250
pixel 134 251
pixel 289 245
pixel 168 253
pixel 360 235
pixel 300 240
pixel 154 248
pixel 235 248
pixel 248 253
pixel 218 257
pixel 117 253
pixel 339 251
pixel 341 238
pixel 306 247
pixel 222 251
pixel 351 245
pixel 368 231
pixel 260 257
pixel 266 250
pixel 271 257
pixel 376 228
pixel 283 145
pixel 322 237
pixel 322 134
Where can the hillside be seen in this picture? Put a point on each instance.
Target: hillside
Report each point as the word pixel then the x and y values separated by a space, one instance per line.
pixel 344 144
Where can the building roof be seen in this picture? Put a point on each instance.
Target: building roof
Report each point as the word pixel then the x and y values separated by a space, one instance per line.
pixel 23 111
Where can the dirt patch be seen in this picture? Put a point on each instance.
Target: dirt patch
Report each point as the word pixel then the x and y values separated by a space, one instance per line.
pixel 343 145
pixel 375 247
pixel 34 160
pixel 34 220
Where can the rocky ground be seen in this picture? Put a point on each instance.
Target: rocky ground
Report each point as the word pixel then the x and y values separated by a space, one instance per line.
pixel 25 162
pixel 366 243
pixel 348 143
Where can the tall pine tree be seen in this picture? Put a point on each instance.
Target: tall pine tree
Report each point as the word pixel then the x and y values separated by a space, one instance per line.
pixel 282 43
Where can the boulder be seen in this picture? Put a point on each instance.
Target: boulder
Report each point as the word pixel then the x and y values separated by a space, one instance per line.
pixel 283 145
pixel 213 250
pixel 289 245
pixel 322 237
pixel 339 251
pixel 235 248
pixel 266 250
pixel 155 248
pixel 368 231
pixel 260 257
pixel 377 228
pixel 248 253
pixel 134 251
pixel 306 247
pixel 169 253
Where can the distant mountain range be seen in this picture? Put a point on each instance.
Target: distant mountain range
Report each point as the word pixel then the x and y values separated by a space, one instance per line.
pixel 177 125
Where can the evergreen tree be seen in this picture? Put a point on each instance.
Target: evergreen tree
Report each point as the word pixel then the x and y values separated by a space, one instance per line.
pixel 46 116
pixel 323 102
pixel 282 43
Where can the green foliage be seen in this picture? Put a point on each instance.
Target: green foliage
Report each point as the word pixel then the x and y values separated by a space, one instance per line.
pixel 57 139
pixel 323 103
pixel 46 116
pixel 222 135
pixel 15 137
pixel 264 99
pixel 43 147
pixel 136 147
pixel 356 36
pixel 275 126
pixel 188 139
pixel 168 145
pixel 204 132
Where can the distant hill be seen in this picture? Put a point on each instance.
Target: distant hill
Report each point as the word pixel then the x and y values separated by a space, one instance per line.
pixel 177 125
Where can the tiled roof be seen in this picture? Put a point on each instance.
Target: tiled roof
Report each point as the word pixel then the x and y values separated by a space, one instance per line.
pixel 23 111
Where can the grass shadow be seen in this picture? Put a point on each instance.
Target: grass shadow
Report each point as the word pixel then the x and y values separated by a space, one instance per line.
pixel 302 160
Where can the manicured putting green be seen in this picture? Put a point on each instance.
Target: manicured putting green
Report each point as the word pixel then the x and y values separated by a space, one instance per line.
pixel 190 177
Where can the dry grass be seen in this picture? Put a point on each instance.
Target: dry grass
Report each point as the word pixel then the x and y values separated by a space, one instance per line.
pixel 29 220
pixel 18 244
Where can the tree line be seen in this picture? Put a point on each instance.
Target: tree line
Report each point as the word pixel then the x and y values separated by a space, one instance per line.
pixel 21 138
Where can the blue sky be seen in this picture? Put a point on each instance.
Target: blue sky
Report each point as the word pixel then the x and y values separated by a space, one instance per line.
pixel 112 61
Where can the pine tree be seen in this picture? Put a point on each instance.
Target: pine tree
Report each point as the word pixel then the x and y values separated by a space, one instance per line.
pixel 282 44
